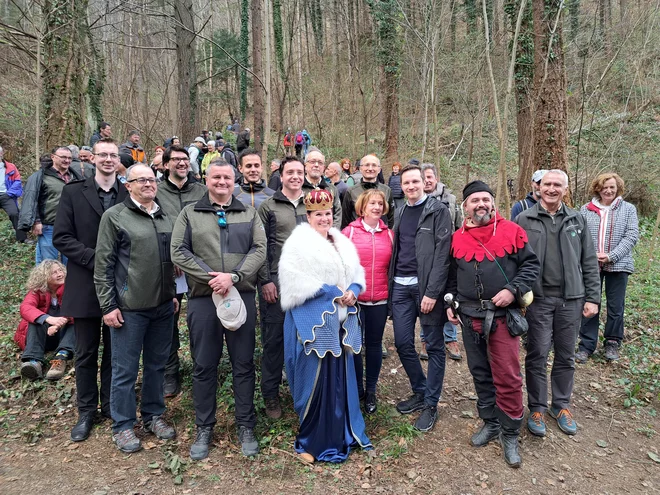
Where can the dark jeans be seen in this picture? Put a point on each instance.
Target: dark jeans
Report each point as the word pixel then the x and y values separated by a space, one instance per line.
pixel 552 321
pixel 88 339
pixel 38 342
pixel 9 205
pixel 405 311
pixel 615 292
pixel 272 341
pixel 373 319
pixel 147 332
pixel 495 368
pixel 206 333
pixel 173 363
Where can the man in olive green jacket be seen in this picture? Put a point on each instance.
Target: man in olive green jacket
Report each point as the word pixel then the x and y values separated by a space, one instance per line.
pixel 220 243
pixel 134 279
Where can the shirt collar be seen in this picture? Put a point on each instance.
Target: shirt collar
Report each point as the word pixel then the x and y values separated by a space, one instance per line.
pixel 421 200
pixel 142 208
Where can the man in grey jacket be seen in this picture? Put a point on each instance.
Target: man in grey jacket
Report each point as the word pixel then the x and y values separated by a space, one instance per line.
pixel 419 270
pixel 567 289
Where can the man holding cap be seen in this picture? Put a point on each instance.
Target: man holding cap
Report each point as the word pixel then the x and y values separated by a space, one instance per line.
pixel 532 197
pixel 491 264
pixel 215 272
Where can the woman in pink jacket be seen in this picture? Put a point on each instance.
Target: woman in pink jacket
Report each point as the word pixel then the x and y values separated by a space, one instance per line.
pixel 373 241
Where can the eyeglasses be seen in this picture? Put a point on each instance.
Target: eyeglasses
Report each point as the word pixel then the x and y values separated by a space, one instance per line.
pixel 104 156
pixel 222 218
pixel 180 160
pixel 145 180
pixel 316 162
pixel 65 158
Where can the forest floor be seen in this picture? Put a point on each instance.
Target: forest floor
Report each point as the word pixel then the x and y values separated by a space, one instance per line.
pixel 616 449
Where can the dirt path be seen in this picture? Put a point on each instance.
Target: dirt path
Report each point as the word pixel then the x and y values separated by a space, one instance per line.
pixel 609 455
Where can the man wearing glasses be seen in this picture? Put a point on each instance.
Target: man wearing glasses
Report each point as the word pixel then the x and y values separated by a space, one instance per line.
pixel 74 235
pixel 220 244
pixel 178 189
pixel 314 169
pixel 134 279
pixel 41 198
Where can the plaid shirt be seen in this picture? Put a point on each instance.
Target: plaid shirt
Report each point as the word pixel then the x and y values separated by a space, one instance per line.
pixel 621 234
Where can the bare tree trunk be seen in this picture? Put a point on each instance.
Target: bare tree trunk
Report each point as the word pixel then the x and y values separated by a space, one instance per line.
pixel 267 81
pixel 187 70
pixel 257 69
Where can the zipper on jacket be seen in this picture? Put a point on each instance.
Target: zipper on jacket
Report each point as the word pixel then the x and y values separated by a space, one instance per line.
pixel 373 262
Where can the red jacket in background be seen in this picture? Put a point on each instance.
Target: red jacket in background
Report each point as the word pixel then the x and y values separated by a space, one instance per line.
pixel 34 305
pixel 375 251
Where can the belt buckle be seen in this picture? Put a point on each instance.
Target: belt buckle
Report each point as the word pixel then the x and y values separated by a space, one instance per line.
pixel 483 304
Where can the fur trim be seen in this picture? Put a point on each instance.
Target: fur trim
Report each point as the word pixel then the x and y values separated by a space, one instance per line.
pixel 309 261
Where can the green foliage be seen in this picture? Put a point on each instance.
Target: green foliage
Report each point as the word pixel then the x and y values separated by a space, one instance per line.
pixel 387 16
pixel 277 34
pixel 316 16
pixel 244 53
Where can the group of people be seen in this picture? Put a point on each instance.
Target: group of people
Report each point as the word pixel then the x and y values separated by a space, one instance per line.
pixel 324 269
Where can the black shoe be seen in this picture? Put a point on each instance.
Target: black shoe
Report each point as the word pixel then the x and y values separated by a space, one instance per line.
pixel 426 420
pixel 611 350
pixel 489 431
pixel 413 403
pixel 83 428
pixel 249 444
pixel 509 443
pixel 200 449
pixel 172 385
pixel 273 408
pixel 370 404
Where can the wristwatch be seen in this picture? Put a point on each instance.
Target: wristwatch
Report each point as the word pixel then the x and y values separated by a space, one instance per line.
pixel 235 278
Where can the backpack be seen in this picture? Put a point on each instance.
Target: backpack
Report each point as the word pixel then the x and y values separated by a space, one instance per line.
pixel 229 156
pixel 300 139
pixel 523 204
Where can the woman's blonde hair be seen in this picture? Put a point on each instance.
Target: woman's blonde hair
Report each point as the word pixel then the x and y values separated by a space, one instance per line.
pixel 599 182
pixel 38 279
pixel 363 200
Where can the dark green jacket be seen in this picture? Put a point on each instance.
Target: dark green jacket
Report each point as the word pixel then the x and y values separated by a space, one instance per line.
pixel 173 200
pixel 580 272
pixel 200 245
pixel 132 268
pixel 353 193
pixel 279 217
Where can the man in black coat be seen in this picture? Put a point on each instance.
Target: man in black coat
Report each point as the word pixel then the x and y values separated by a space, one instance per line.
pixel 75 231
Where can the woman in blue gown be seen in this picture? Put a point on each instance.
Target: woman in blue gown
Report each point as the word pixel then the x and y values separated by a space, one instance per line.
pixel 320 278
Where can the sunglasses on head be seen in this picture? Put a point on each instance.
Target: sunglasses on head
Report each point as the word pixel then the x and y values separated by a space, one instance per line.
pixel 222 218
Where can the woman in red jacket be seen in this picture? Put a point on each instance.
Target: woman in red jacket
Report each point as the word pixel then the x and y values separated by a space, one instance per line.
pixel 373 241
pixel 42 329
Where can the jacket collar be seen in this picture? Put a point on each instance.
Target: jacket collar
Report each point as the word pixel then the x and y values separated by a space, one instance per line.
pixel 205 204
pixel 170 185
pixel 322 185
pixel 128 202
pixel 369 185
pixel 251 187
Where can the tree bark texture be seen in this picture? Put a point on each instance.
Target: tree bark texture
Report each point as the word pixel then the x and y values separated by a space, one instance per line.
pixel 550 112
pixel 187 70
pixel 257 69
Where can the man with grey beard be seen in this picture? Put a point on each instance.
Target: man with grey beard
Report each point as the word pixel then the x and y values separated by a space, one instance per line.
pixel 486 280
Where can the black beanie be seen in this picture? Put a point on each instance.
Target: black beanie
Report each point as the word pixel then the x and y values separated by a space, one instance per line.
pixel 476 186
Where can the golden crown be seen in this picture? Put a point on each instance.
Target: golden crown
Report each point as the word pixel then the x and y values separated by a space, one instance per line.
pixel 318 200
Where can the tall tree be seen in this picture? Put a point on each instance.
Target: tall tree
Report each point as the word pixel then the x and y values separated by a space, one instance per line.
pixel 257 69
pixel 550 117
pixel 245 54
pixel 65 46
pixel 188 112
pixel 386 19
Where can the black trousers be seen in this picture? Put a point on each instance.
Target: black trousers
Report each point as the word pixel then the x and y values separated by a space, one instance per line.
pixel 272 341
pixel 173 363
pixel 88 338
pixel 9 205
pixel 206 342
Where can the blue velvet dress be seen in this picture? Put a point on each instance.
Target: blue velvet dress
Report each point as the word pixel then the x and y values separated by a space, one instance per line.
pixel 318 352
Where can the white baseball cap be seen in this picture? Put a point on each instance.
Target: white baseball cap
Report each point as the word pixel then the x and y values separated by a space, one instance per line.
pixel 538 175
pixel 200 139
pixel 230 309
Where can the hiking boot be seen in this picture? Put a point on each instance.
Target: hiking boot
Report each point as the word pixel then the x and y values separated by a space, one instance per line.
pixel 172 385
pixel 423 355
pixel 489 431
pixel 612 350
pixel 83 427
pixel 426 420
pixel 57 369
pixel 273 408
pixel 535 424
pixel 160 428
pixel 413 403
pixel 564 420
pixel 203 440
pixel 581 357
pixel 370 404
pixel 126 441
pixel 384 350
pixel 249 444
pixel 31 370
pixel 453 351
